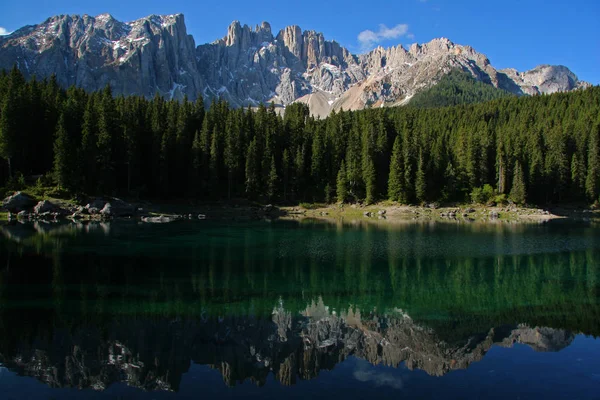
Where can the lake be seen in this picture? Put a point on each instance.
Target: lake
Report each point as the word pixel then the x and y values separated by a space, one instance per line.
pixel 299 309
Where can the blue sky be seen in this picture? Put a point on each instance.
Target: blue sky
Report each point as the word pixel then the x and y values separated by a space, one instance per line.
pixel 519 34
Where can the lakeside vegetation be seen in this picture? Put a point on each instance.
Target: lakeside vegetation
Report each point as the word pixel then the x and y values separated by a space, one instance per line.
pixel 537 150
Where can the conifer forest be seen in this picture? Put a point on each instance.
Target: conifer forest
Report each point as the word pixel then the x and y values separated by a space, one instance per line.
pixel 535 150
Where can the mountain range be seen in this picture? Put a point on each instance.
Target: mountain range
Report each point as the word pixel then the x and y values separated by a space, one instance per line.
pixel 249 66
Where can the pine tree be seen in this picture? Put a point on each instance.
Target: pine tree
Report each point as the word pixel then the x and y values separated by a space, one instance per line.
pixel 10 121
pixel 66 171
pixel 449 192
pixel 421 184
pixel 518 193
pixel 577 176
pixel 214 163
pixel 105 142
pixel 252 169
pixel 396 177
pixel 370 178
pixel 231 152
pixel 272 180
pixel 342 184
pixel 592 182
pixel 194 184
pixel 286 172
pixel 87 158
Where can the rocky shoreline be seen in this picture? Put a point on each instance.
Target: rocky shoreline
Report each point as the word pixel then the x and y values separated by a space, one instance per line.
pixel 22 207
pixel 456 213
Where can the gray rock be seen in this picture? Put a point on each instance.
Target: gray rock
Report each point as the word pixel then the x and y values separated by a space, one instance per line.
pixel 22 215
pixel 76 215
pixel 47 215
pixel 121 208
pixel 159 220
pixel 117 208
pixel 18 201
pixel 494 215
pixel 249 66
pixel 107 210
pixel 46 206
pixel 95 206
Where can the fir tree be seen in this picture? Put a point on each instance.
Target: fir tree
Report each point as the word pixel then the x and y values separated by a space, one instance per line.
pixel 252 169
pixel 342 184
pixel 104 143
pixel 518 193
pixel 286 172
pixel 272 180
pixel 369 175
pixel 592 182
pixel 421 184
pixel 10 117
pixel 396 177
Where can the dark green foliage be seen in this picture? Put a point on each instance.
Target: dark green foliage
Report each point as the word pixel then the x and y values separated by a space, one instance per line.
pixel 272 180
pixel 396 178
pixel 592 183
pixel 421 184
pixel 539 149
pixel 342 184
pixel 482 195
pixel 518 193
pixel 457 87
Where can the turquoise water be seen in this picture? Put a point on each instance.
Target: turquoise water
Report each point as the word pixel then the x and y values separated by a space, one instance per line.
pixel 299 309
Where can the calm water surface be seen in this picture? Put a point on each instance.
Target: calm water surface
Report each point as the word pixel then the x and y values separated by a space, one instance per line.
pixel 299 309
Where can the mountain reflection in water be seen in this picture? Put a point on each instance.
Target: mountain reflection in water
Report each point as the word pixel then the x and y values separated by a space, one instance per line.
pixel 88 305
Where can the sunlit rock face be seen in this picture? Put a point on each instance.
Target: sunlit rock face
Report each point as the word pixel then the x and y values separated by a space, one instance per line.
pixel 152 354
pixel 144 57
pixel 248 66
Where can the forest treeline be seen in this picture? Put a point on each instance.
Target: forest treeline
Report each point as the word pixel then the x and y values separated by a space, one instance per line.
pixel 457 87
pixel 530 149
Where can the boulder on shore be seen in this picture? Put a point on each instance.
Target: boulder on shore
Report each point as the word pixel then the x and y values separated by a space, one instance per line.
pixel 117 208
pixel 95 206
pixel 107 210
pixel 45 207
pixel 19 201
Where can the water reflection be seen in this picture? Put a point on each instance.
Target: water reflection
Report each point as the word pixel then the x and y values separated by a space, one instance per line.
pixel 87 305
pixel 154 353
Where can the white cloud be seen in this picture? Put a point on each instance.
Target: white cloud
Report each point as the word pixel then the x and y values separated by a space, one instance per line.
pixel 378 378
pixel 4 32
pixel 368 39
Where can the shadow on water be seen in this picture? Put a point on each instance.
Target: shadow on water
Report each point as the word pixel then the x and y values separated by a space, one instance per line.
pixel 88 305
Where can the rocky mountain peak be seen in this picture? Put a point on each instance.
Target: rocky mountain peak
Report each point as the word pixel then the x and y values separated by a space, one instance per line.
pixel 245 37
pixel 292 39
pixel 248 65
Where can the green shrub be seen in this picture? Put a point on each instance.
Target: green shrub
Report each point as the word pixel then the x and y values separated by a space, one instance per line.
pixel 310 206
pixel 483 195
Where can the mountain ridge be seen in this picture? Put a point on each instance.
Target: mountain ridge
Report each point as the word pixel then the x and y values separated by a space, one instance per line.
pixel 249 66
